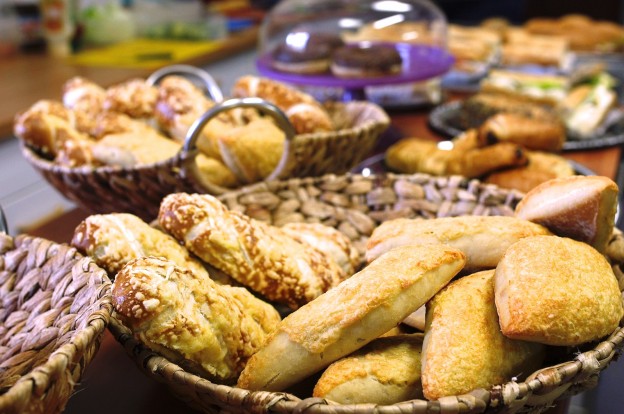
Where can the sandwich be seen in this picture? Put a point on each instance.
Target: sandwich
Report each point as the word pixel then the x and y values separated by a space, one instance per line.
pixel 543 89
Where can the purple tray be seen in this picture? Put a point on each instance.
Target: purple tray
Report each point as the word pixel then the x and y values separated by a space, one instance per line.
pixel 420 62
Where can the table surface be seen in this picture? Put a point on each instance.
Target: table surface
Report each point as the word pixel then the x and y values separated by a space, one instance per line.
pixel 112 383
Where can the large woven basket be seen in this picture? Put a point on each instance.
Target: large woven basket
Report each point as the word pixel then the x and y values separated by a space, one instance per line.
pixel 355 204
pixel 55 305
pixel 140 189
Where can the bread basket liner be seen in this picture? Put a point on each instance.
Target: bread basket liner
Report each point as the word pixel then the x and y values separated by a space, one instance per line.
pixel 140 189
pixel 55 307
pixel 355 204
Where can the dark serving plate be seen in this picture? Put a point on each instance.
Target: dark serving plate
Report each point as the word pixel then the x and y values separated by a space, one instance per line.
pixel 444 119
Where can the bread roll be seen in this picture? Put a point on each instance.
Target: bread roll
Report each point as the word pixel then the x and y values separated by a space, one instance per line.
pixel 129 149
pixel 580 207
pixel 464 348
pixel 209 171
pixel 305 113
pixel 134 97
pixel 386 371
pixel 207 328
pixel 483 239
pixel 556 291
pixel 328 240
pixel 113 240
pixel 259 256
pixel 351 315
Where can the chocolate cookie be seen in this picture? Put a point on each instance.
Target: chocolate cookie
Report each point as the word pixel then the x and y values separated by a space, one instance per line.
pixel 306 53
pixel 355 61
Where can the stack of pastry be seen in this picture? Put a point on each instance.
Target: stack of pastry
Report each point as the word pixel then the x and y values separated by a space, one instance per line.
pixel 134 123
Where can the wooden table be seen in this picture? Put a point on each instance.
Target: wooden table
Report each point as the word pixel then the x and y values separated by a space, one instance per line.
pixel 26 78
pixel 113 384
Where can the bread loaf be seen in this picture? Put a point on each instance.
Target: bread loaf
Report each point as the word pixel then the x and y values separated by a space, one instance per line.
pixel 386 371
pixel 305 113
pixel 206 328
pixel 113 240
pixel 556 291
pixel 483 239
pixel 350 315
pixel 464 348
pixel 256 254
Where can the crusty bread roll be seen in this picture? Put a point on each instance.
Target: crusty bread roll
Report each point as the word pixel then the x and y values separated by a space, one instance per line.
pixel 258 255
pixel 464 348
pixel 327 239
pixel 113 240
pixel 252 151
pixel 128 149
pixel 134 97
pixel 580 207
pixel 556 291
pixel 483 239
pixel 351 315
pixel 209 171
pixel 305 113
pixel 386 371
pixel 207 328
pixel 86 99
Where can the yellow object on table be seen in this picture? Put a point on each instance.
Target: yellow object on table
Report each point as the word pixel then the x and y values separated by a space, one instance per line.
pixel 144 53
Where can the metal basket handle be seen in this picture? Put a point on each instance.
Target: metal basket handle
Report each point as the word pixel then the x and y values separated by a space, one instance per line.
pixel 263 106
pixel 4 228
pixel 213 89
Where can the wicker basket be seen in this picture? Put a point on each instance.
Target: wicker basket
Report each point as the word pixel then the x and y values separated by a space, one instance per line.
pixel 355 204
pixel 55 307
pixel 140 189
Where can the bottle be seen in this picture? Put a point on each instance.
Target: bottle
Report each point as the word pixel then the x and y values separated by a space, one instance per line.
pixel 58 27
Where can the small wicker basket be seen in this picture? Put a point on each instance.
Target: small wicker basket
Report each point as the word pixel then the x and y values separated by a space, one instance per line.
pixel 140 189
pixel 55 307
pixel 355 204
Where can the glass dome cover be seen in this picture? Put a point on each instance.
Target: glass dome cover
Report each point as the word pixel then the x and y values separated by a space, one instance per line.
pixel 297 34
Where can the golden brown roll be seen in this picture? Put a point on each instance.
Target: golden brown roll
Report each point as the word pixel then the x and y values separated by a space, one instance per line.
pixel 128 149
pixel 530 133
pixel 134 97
pixel 328 240
pixel 464 348
pixel 351 315
pixel 542 167
pixel 580 207
pixel 386 371
pixel 483 239
pixel 256 254
pixel 113 240
pixel 209 171
pixel 556 291
pixel 305 113
pixel 207 328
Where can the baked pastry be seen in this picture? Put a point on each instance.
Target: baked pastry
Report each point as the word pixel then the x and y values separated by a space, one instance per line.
pixel 412 155
pixel 256 254
pixel 206 328
pixel 542 167
pixel 351 315
pixel 580 207
pixel 306 52
pixel 330 241
pixel 483 239
pixel 252 151
pixel 134 97
pixel 386 371
pixel 113 240
pixel 208 171
pixel 371 60
pixel 531 133
pixel 86 99
pixel 128 149
pixel 464 348
pixel 556 291
pixel 304 112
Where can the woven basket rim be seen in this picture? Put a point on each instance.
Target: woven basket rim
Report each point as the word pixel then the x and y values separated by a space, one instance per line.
pixel 535 390
pixel 40 377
